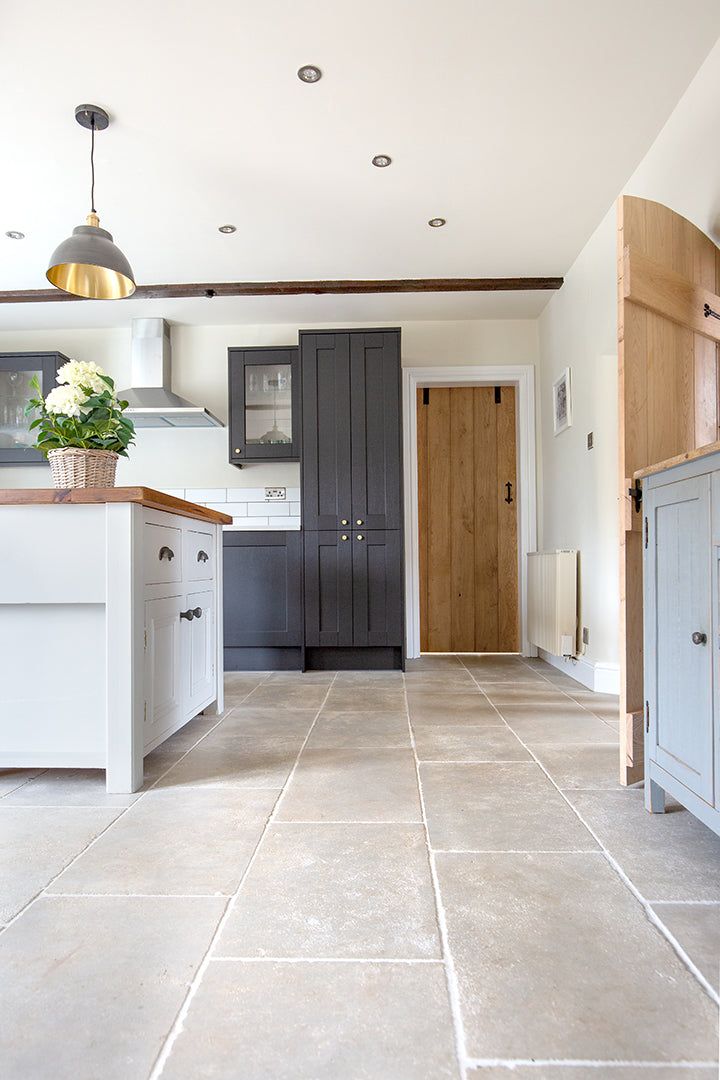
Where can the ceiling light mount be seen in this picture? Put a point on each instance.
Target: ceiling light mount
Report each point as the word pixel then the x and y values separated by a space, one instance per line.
pixel 227 229
pixel 15 234
pixel 88 263
pixel 381 161
pixel 309 73
pixel 437 222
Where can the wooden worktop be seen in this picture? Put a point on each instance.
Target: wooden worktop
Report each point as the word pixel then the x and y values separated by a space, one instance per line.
pixel 691 455
pixel 156 500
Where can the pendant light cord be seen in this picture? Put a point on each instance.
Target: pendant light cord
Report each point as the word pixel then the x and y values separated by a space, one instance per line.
pixel 92 165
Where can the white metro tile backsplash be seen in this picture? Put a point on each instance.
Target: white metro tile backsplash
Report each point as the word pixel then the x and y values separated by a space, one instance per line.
pixel 248 507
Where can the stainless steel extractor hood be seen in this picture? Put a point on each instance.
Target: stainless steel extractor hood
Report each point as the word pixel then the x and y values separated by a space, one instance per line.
pixel 151 401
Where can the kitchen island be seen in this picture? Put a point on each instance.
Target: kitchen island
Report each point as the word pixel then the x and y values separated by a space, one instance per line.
pixel 110 626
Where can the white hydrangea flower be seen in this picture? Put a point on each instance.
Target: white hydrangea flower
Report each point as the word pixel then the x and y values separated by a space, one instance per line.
pixel 66 401
pixel 82 373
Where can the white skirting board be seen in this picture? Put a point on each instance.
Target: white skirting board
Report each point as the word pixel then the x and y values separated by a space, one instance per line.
pixel 601 677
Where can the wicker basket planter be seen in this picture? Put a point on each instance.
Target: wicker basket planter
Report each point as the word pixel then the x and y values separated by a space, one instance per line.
pixel 73 468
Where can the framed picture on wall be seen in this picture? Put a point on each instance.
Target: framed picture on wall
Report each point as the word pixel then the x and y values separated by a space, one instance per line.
pixel 562 402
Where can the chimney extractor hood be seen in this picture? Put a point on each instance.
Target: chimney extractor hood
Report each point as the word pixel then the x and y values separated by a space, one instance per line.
pixel 151 402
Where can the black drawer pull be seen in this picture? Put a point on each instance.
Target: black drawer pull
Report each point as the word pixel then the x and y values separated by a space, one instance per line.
pixel 189 614
pixel 166 553
pixel 202 556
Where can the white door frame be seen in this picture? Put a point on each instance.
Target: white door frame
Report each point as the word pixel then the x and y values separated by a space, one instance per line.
pixel 522 376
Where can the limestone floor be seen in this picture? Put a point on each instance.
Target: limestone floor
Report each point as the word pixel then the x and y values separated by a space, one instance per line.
pixel 362 877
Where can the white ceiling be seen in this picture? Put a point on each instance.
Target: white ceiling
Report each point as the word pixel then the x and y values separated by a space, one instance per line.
pixel 517 120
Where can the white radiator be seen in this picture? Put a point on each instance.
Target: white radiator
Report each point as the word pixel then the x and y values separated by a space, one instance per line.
pixel 552 601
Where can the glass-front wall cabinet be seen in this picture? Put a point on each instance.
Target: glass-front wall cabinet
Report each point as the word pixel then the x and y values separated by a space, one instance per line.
pixel 264 404
pixel 16 373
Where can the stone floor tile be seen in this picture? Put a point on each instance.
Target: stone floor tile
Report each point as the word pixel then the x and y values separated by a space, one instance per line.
pixel 373 699
pixel 353 730
pixel 175 842
pixel 11 779
pixel 247 720
pixel 670 856
pixel 323 1021
pixel 495 807
pixel 440 679
pixel 450 708
pixel 388 679
pixel 336 891
pixel 37 843
pixel 432 662
pixel 563 728
pixel 290 696
pixel 67 787
pixel 697 928
pixel 518 693
pixel 90 987
pixel 352 785
pixel 596 765
pixel 255 761
pixel 593 1072
pixel 466 743
pixel 567 956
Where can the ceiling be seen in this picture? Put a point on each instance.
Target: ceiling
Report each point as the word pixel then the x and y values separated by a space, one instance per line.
pixel 517 120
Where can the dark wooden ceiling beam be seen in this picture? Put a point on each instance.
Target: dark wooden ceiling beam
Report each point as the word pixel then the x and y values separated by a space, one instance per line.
pixel 296 288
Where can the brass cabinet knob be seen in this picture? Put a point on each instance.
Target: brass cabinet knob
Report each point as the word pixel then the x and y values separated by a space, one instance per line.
pixel 343 537
pixel 344 521
pixel 360 536
pixel 237 449
pixel 359 521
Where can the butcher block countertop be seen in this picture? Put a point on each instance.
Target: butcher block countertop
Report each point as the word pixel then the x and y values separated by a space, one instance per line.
pixel 156 500
pixel 690 455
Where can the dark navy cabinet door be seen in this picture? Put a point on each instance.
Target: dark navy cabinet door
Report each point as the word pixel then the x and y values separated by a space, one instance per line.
pixel 376 429
pixel 264 404
pixel 262 581
pixel 328 588
pixel 325 365
pixel 377 585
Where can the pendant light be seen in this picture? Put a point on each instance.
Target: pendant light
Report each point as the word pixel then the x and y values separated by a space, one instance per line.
pixel 88 263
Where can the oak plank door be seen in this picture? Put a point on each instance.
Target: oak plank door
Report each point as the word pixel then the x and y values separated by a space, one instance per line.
pixel 328 588
pixel 678 604
pixel 668 404
pixel 468 519
pixel 326 471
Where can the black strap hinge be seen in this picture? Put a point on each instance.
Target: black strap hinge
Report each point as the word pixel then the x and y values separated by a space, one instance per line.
pixel 635 494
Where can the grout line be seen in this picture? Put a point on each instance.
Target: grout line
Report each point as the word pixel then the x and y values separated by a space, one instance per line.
pixel 706 903
pixel 22 783
pixel 649 913
pixel 123 811
pixel 179 1021
pixel 449 964
pixel 516 851
pixel 138 896
pixel 348 821
pixel 323 960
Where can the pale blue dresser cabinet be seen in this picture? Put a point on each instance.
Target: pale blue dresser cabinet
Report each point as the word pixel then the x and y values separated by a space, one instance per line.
pixel 681 519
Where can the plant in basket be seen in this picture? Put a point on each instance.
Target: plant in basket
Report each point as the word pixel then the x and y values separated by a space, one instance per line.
pixel 80 426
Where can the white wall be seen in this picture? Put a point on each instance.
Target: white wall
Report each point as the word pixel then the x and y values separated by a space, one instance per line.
pixel 198 458
pixel 578 329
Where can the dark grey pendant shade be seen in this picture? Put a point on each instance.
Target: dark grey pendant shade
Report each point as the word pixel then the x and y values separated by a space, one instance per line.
pixel 89 264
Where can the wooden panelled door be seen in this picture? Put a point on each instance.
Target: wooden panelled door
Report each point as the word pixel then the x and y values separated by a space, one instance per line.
pixel 467 503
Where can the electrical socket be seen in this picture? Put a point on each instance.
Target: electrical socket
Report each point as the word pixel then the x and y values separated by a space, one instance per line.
pixel 275 494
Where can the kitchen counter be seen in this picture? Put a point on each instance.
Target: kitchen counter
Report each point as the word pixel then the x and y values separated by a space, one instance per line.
pixel 149 497
pixel 680 459
pixel 110 626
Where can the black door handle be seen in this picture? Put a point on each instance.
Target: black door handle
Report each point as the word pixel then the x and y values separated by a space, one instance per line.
pixel 699 638
pixel 166 553
pixel 508 497
pixel 202 556
pixel 189 614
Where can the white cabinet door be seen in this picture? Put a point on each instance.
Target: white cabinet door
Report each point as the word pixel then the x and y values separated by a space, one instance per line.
pixel 163 668
pixel 199 641
pixel 679 637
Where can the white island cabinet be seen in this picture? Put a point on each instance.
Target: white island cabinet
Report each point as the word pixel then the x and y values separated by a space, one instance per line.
pixel 110 626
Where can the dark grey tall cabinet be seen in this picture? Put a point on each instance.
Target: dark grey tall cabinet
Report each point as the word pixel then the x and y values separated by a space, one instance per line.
pixel 352 498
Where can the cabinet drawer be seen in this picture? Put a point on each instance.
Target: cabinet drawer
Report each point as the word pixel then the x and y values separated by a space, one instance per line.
pixel 163 554
pixel 199 555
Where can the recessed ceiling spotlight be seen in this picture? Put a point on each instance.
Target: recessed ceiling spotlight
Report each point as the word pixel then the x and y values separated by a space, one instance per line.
pixel 436 222
pixel 309 73
pixel 227 228
pixel 13 234
pixel 381 161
